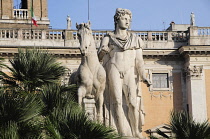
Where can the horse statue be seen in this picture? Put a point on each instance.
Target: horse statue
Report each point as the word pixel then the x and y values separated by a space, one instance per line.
pixel 91 76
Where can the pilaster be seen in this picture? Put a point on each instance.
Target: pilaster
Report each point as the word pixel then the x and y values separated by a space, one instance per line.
pixel 196 92
pixel 196 60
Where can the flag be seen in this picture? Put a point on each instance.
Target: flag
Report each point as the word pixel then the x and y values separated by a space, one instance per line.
pixel 33 18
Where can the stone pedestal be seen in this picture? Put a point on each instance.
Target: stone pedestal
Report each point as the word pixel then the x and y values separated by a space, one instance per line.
pixel 89 106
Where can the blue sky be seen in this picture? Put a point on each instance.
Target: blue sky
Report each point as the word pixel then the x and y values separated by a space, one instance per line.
pixel 147 14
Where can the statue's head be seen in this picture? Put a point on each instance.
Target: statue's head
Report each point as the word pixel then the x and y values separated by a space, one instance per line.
pixel 120 13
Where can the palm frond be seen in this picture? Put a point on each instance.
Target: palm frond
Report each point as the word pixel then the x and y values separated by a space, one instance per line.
pixel 159 132
pixel 33 68
pixel 186 127
pixel 9 131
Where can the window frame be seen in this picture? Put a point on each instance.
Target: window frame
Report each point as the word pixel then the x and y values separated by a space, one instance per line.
pixel 170 83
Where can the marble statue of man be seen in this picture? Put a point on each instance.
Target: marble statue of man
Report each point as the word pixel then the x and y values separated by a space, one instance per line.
pixel 68 19
pixel 192 19
pixel 121 54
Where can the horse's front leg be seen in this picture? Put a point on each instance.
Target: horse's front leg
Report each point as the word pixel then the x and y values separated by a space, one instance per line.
pixel 100 84
pixel 81 94
pixel 86 83
pixel 100 101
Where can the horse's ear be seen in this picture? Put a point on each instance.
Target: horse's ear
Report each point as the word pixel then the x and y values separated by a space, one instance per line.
pixel 77 26
pixel 89 24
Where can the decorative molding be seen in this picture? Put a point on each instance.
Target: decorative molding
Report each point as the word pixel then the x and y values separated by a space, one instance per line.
pixel 195 50
pixel 170 79
pixel 194 71
pixel 161 94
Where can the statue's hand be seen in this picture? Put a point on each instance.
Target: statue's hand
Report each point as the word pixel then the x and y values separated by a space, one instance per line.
pixel 148 82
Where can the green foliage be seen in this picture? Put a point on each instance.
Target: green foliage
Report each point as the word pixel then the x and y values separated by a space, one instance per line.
pixel 185 127
pixel 31 69
pixel 16 113
pixel 9 131
pixel 66 119
pixel 37 106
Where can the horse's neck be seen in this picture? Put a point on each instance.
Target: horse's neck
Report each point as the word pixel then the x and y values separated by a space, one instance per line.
pixel 91 57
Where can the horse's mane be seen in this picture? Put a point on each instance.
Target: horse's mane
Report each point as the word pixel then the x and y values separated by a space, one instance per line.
pixel 85 25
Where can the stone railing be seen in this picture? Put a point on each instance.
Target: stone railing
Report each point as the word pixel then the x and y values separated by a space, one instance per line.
pixel 8 34
pixel 97 35
pixel 152 39
pixel 178 36
pixel 20 13
pixel 199 35
pixel 203 31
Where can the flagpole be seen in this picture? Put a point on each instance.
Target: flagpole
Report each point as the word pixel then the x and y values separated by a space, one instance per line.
pixel 88 11
pixel 32 6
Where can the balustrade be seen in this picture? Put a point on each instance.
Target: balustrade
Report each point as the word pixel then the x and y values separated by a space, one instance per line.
pixel 98 35
pixel 179 36
pixel 8 34
pixel 20 13
pixel 142 35
pixel 55 34
pixel 203 31
pixel 31 34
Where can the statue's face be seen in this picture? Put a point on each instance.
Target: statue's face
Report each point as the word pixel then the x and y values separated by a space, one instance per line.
pixel 124 22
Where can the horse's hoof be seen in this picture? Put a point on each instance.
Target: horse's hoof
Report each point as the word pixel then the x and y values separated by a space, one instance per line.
pixel 89 96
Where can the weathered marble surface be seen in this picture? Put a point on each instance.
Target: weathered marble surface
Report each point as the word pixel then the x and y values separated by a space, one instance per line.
pixel 90 76
pixel 121 53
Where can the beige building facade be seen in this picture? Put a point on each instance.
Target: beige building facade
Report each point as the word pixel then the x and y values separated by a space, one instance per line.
pixel 177 60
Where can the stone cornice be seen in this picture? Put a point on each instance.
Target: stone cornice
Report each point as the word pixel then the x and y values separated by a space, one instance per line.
pixel 75 52
pixel 195 49
pixel 161 53
pixel 57 51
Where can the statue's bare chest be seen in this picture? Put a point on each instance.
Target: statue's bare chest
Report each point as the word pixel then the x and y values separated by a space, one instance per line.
pixel 123 60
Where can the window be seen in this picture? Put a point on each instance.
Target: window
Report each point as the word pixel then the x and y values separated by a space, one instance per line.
pixel 20 4
pixel 161 80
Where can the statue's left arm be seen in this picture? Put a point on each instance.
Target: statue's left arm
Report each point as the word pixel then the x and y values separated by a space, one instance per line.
pixel 140 63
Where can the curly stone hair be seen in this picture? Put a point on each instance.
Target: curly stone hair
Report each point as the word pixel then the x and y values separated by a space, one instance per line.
pixel 120 12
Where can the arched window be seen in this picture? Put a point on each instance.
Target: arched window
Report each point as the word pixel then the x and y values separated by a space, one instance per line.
pixel 20 4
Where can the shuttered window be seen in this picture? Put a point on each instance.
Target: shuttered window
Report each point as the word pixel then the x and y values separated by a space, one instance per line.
pixel 160 80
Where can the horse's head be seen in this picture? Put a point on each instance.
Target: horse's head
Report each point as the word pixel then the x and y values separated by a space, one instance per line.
pixel 85 37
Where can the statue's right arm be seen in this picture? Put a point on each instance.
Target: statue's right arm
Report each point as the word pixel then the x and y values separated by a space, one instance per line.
pixel 104 48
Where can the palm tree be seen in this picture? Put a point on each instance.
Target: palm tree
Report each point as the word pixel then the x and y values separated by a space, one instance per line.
pixel 66 119
pixel 47 110
pixel 185 127
pixel 50 113
pixel 19 116
pixel 31 69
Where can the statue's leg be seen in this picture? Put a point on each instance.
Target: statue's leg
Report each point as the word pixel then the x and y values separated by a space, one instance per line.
pixel 115 87
pixel 130 90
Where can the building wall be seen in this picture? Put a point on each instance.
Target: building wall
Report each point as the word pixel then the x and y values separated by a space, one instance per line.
pixel 10 18
pixel 22 25
pixel 44 9
pixel 7 9
pixel 207 75
pixel 158 107
pixel 40 8
pixel 37 8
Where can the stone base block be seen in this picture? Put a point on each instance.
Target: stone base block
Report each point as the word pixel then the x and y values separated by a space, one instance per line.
pixel 89 106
